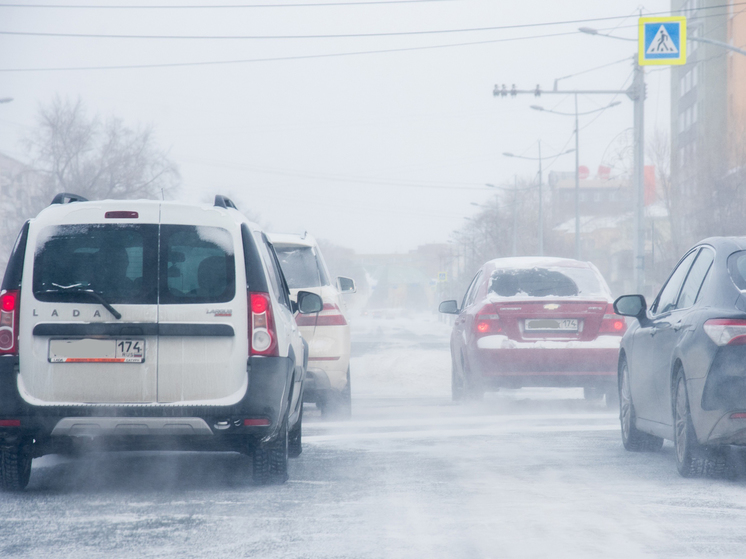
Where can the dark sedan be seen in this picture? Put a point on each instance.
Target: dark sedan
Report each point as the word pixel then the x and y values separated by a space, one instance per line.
pixel 682 365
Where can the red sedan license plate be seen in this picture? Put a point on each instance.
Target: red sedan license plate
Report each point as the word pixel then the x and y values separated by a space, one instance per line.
pixel 552 325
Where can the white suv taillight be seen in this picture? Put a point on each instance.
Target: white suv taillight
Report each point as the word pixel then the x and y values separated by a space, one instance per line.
pixel 262 332
pixel 726 331
pixel 9 302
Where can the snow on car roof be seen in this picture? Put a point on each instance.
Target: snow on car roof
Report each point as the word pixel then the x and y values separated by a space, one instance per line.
pixel 291 239
pixel 519 262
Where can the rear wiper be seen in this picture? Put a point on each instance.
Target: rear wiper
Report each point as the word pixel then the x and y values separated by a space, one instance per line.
pixel 85 291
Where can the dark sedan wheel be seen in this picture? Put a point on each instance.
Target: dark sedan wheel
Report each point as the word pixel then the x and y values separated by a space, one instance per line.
pixel 693 459
pixel 632 438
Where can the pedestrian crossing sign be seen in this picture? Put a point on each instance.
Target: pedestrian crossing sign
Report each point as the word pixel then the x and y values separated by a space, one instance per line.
pixel 662 40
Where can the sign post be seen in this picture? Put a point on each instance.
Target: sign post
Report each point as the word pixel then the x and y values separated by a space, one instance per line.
pixel 662 41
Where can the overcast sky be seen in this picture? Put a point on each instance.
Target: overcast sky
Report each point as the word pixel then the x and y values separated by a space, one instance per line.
pixel 380 152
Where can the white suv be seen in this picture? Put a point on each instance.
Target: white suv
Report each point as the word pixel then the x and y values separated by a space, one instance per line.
pixel 148 325
pixel 328 332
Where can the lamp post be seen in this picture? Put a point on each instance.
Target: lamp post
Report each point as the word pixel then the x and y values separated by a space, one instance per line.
pixel 576 114
pixel 541 197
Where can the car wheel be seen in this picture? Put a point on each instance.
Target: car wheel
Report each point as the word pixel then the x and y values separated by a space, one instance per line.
pixel 612 398
pixel 473 389
pixel 15 466
pixel 457 384
pixel 592 394
pixel 632 438
pixel 295 435
pixel 337 405
pixel 270 460
pixel 693 459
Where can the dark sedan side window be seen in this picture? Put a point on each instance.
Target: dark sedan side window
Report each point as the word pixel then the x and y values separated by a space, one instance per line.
pixel 669 295
pixel 695 279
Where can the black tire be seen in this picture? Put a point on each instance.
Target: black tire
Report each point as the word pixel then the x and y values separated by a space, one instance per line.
pixel 693 459
pixel 15 466
pixel 633 439
pixel 295 437
pixel 337 405
pixel 612 398
pixel 592 393
pixel 473 388
pixel 457 384
pixel 270 460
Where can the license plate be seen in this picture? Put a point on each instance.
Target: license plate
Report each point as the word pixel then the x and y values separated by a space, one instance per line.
pixel 552 324
pixel 96 351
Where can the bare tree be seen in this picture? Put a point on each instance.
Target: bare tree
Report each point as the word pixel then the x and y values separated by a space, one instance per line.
pixel 72 152
pixel 98 159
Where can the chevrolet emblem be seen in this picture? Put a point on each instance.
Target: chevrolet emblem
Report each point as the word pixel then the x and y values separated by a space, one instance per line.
pixel 551 307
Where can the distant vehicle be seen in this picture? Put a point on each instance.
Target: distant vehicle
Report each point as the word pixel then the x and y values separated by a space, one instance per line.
pixel 681 364
pixel 327 333
pixel 535 322
pixel 148 325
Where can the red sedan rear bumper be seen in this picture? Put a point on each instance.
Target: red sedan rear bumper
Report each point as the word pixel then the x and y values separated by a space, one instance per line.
pixel 515 367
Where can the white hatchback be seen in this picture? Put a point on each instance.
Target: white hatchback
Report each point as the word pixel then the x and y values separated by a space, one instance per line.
pixel 327 332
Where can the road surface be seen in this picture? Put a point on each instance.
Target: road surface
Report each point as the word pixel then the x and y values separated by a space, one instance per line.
pixel 525 473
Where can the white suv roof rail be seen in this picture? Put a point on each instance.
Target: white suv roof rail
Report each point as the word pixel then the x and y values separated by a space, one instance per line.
pixel 67 198
pixel 224 202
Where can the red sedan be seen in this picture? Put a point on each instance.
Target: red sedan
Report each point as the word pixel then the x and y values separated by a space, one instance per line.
pixel 535 322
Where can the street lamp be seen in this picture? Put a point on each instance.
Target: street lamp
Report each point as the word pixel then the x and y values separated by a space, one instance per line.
pixel 576 114
pixel 541 201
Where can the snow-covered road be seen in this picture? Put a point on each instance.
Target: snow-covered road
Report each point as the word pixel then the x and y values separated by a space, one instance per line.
pixel 526 473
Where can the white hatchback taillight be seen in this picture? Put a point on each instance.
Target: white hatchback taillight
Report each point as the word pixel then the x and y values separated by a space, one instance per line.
pixel 330 315
pixel 726 331
pixel 9 302
pixel 262 332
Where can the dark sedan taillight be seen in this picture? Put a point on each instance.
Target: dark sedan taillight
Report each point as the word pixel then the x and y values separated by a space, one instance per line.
pixel 9 302
pixel 487 321
pixel 612 323
pixel 726 331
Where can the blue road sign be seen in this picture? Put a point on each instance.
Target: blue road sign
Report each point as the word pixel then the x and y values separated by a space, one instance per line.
pixel 662 40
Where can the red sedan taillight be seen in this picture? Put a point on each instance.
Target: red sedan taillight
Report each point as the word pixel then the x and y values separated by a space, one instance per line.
pixel 9 303
pixel 612 323
pixel 487 321
pixel 726 331
pixel 262 332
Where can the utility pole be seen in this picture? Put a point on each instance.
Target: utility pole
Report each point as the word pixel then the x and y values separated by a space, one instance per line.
pixel 577 182
pixel 515 215
pixel 636 92
pixel 541 212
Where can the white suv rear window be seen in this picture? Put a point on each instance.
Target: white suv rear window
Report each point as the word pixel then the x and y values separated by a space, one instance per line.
pixel 118 262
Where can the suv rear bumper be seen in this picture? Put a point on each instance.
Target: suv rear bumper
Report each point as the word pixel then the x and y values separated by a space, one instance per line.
pixel 144 425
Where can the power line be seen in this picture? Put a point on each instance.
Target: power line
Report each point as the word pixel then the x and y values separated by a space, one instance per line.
pixel 341 178
pixel 329 36
pixel 223 6
pixel 284 58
